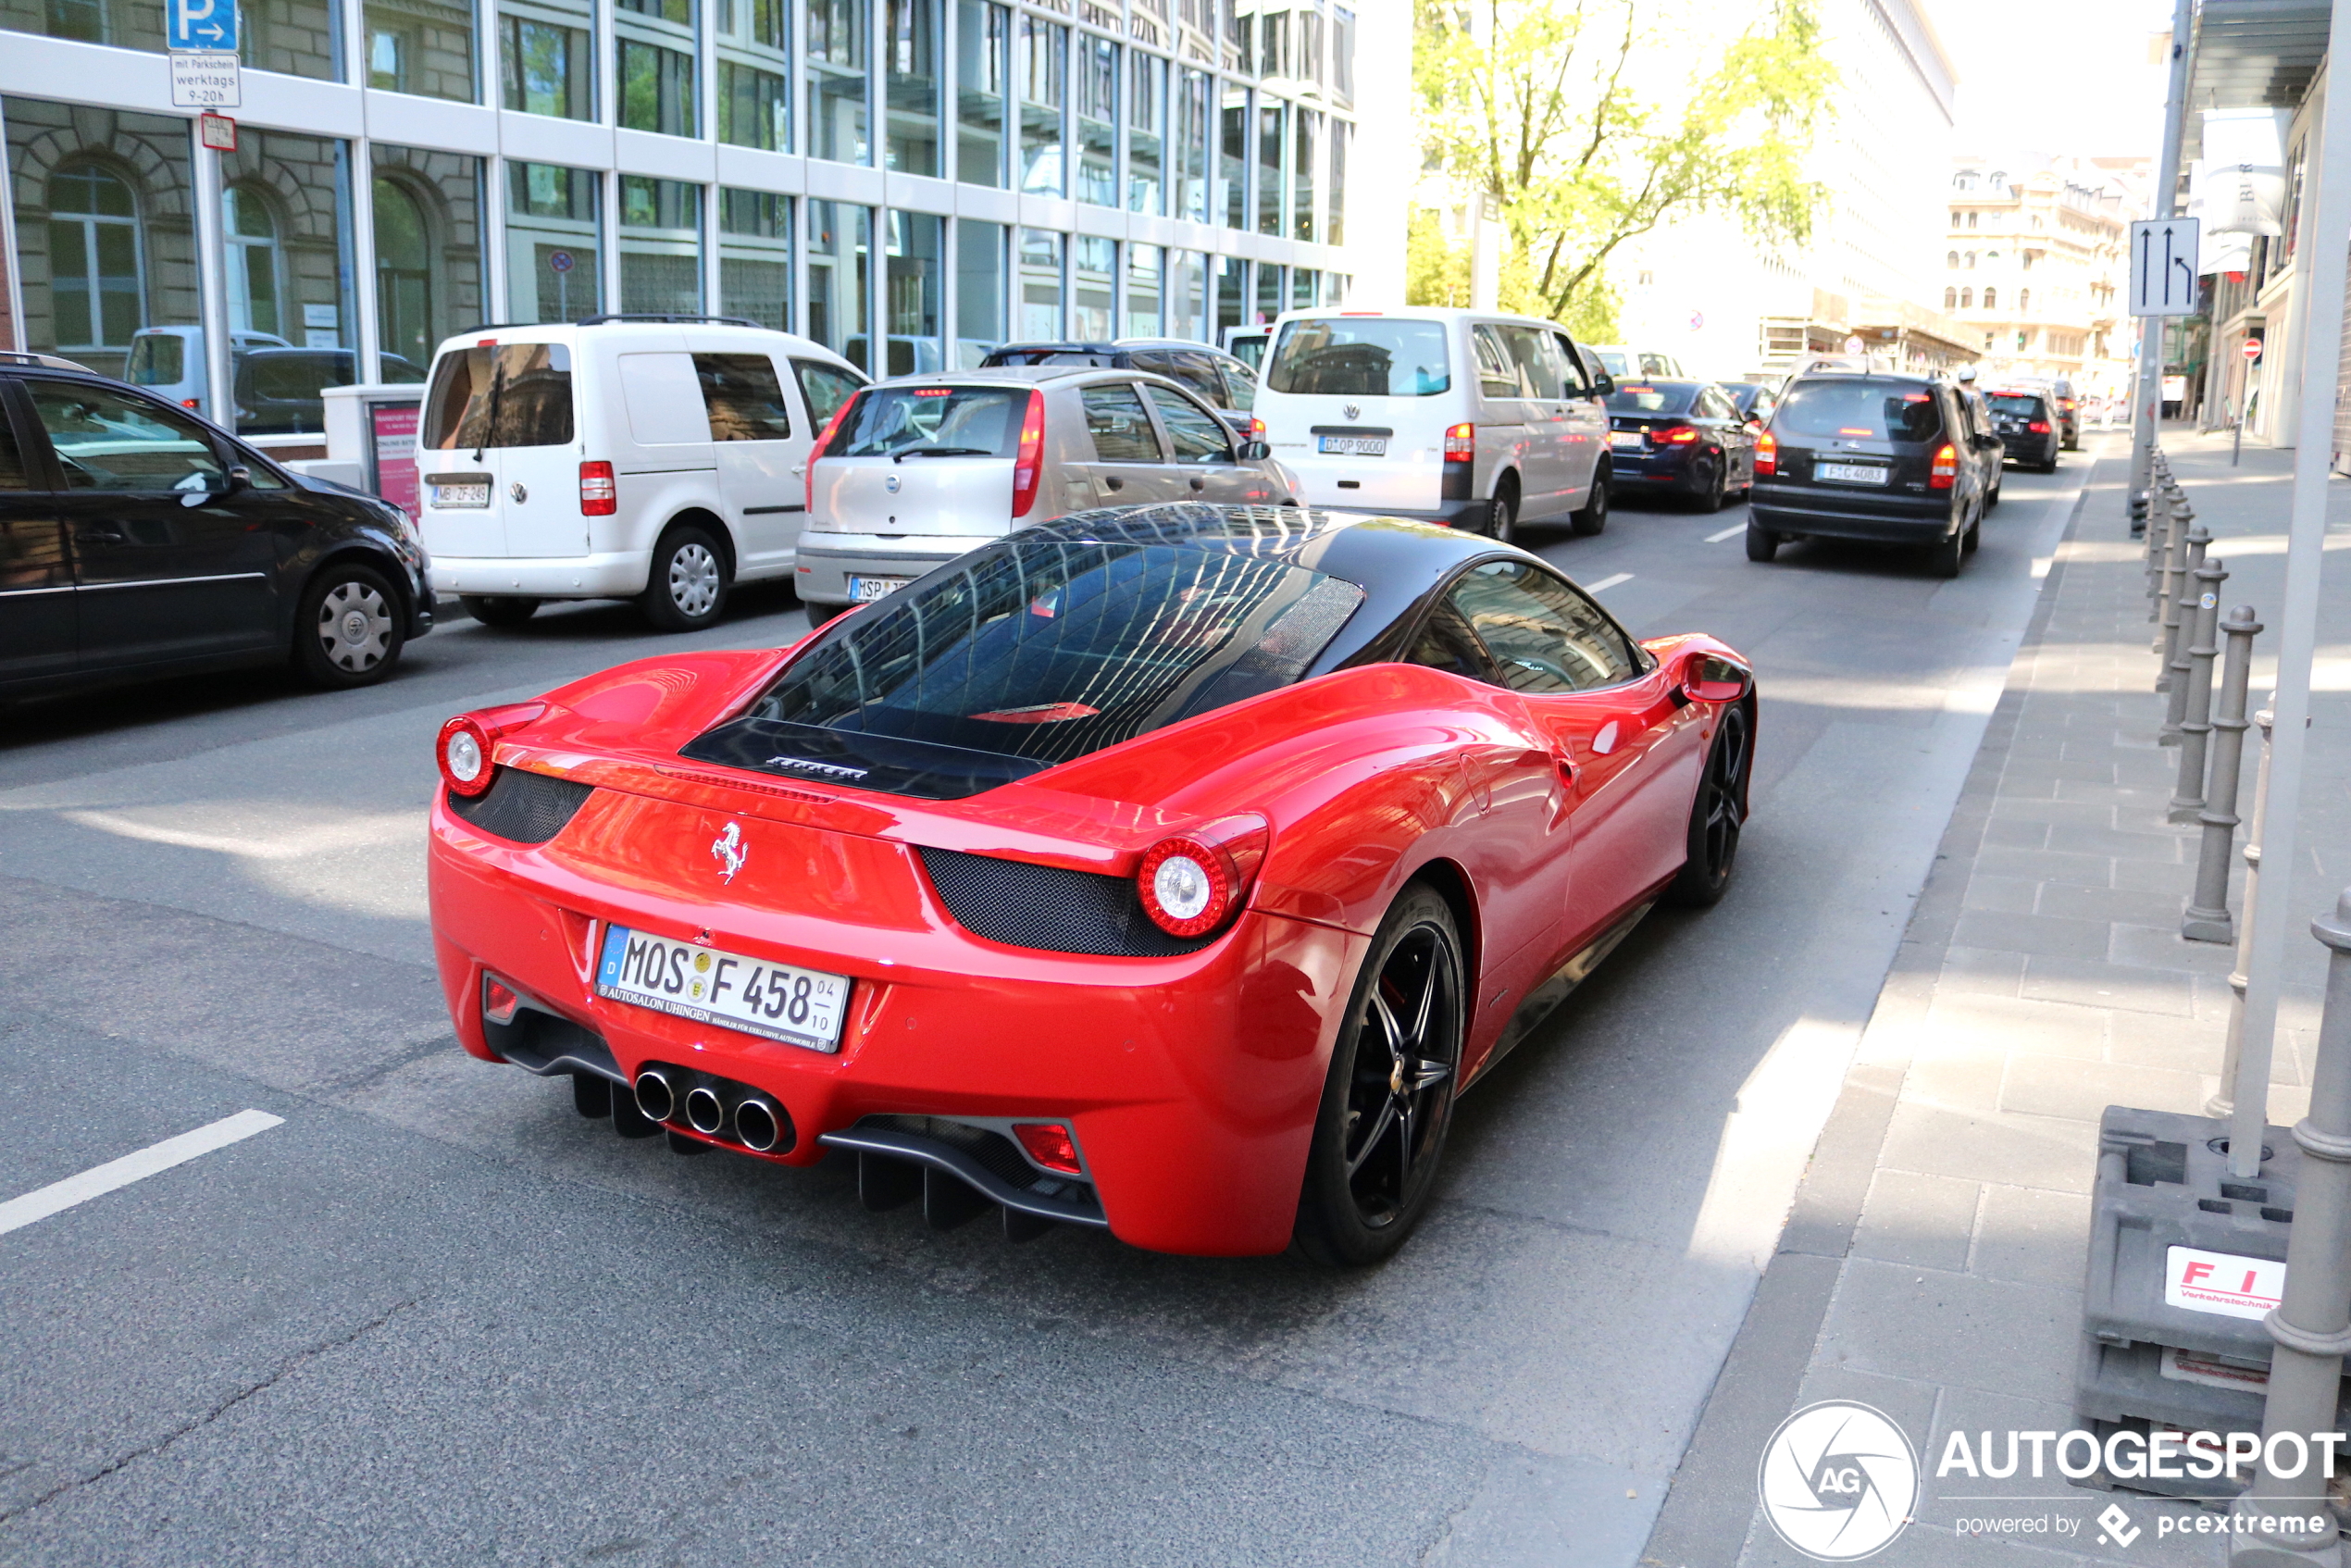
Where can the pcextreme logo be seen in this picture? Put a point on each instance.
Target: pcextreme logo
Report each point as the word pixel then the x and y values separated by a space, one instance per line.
pixel 1838 1481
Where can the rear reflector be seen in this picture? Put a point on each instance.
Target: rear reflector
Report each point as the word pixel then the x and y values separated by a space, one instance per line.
pixel 1050 1145
pixel 498 1002
pixel 598 497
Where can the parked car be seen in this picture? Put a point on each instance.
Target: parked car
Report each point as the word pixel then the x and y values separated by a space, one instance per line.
pixel 278 391
pixel 2062 403
pixel 2028 426
pixel 1463 418
pixel 170 361
pixel 964 458
pixel 1754 400
pixel 1248 345
pixel 1639 364
pixel 1874 455
pixel 1993 449
pixel 1217 379
pixel 1683 437
pixel 662 461
pixel 137 539
pixel 1167 872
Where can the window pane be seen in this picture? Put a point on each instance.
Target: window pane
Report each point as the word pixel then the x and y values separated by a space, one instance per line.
pixel 825 387
pixel 983 39
pixel 656 88
pixel 1232 294
pixel 104 246
pixel 1232 160
pixel 1043 67
pixel 1187 295
pixel 836 88
pixel 754 74
pixel 1269 293
pixel 1095 275
pixel 1200 436
pixel 899 420
pixel 1544 635
pixel 1335 220
pixel 1361 356
pixel 840 242
pixel 1122 431
pixel 660 246
pixel 421 46
pixel 1040 285
pixel 549 67
pixel 286 203
pixel 754 257
pixel 1303 284
pixel 1302 183
pixel 432 280
pixel 913 85
pixel 911 271
pixel 1270 128
pixel 1097 121
pixel 108 442
pixel 979 289
pixel 1343 57
pixel 1191 171
pixel 126 24
pixel 1143 263
pixel 297 37
pixel 742 397
pixel 553 234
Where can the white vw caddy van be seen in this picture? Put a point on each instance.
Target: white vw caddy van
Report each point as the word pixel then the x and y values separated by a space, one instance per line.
pixel 661 459
pixel 1464 417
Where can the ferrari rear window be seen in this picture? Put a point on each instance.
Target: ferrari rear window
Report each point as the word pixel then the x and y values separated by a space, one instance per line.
pixel 1029 652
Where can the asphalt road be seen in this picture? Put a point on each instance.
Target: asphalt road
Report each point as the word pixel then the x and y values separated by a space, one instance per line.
pixel 434 1317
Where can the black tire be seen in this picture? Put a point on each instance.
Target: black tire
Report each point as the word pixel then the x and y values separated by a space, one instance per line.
pixel 820 614
pixel 498 609
pixel 686 588
pixel 1717 814
pixel 1972 539
pixel 1993 499
pixel 1388 1099
pixel 1762 543
pixel 1501 514
pixel 2050 466
pixel 1592 517
pixel 1946 559
pixel 1707 494
pixel 349 628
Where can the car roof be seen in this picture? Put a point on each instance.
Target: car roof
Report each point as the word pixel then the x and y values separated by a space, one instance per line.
pixel 1025 375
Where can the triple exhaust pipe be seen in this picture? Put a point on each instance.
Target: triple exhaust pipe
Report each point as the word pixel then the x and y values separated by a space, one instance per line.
pixel 715 1107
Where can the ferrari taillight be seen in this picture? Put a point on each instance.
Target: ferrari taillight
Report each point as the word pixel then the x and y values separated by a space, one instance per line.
pixel 463 748
pixel 1460 443
pixel 1767 453
pixel 598 497
pixel 1050 1145
pixel 1945 470
pixel 1192 883
pixel 1028 461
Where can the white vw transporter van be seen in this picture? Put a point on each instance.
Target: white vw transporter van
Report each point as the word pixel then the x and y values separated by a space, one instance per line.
pixel 1464 417
pixel 661 459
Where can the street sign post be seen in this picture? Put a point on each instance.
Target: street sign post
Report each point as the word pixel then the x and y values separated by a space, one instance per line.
pixel 2163 280
pixel 206 79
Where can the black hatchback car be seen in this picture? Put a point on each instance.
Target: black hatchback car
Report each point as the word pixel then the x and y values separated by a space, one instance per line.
pixel 1679 438
pixel 137 539
pixel 1891 458
pixel 2031 429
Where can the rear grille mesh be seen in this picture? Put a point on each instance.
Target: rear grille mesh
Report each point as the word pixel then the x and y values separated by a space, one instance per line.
pixel 1050 907
pixel 525 807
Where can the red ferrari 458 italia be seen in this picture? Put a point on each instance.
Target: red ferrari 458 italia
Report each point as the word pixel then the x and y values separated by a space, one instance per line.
pixel 1168 870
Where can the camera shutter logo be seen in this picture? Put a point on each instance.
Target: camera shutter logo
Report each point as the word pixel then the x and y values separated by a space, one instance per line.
pixel 1838 1481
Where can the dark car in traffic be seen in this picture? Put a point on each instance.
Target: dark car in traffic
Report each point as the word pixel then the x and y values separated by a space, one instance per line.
pixel 1686 439
pixel 137 539
pixel 1753 400
pixel 2028 427
pixel 1222 381
pixel 1879 456
pixel 279 390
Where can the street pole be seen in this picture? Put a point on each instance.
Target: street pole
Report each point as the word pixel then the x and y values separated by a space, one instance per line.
pixel 2167 205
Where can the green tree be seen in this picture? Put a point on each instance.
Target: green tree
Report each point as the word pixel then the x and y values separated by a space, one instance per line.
pixel 1591 122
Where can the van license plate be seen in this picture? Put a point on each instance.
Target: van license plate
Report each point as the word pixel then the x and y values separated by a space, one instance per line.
pixel 1848 473
pixel 1352 446
pixel 703 985
pixel 460 495
pixel 866 590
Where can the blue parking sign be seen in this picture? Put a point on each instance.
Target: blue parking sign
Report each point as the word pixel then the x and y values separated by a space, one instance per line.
pixel 200 24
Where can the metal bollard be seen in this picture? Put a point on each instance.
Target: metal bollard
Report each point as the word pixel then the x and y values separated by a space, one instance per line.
pixel 2178 623
pixel 2138 514
pixel 2310 1326
pixel 2223 1102
pixel 2164 509
pixel 2167 581
pixel 2208 914
pixel 2192 689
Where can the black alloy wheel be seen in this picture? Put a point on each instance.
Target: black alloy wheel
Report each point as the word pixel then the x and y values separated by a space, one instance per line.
pixel 1501 516
pixel 348 628
pixel 1388 1100
pixel 1706 492
pixel 1592 517
pixel 1718 814
pixel 498 609
pixel 1762 543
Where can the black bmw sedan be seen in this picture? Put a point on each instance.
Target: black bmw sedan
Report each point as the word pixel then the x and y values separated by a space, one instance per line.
pixel 137 539
pixel 1679 438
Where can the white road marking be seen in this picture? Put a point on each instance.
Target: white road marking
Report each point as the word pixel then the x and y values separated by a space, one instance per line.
pixel 2041 564
pixel 99 1180
pixel 1606 582
pixel 1734 529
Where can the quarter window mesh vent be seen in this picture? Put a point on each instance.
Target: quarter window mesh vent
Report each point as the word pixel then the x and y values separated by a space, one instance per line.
pixel 525 807
pixel 1050 907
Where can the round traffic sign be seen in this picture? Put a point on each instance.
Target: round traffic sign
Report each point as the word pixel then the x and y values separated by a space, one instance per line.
pixel 2252 349
pixel 560 261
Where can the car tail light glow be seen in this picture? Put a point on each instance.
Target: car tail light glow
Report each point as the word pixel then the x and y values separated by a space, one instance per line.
pixel 1460 443
pixel 1030 460
pixel 599 496
pixel 463 747
pixel 1192 883
pixel 1677 435
pixel 1945 470
pixel 499 1002
pixel 1050 1145
pixel 824 444
pixel 2039 427
pixel 1256 429
pixel 1767 453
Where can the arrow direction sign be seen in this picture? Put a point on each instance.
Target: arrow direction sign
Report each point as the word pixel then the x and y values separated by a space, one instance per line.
pixel 201 24
pixel 2164 253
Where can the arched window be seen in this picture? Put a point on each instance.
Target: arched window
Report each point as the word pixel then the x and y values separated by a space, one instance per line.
pixel 403 274
pixel 2024 299
pixel 1970 258
pixel 93 258
pixel 1967 298
pixel 1952 259
pixel 253 292
pixel 1990 298
pixel 1950 299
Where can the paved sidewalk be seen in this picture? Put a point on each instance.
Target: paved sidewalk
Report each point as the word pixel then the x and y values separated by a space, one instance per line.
pixel 1933 1264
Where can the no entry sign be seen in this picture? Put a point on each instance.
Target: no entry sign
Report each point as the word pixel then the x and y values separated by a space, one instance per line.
pixel 2252 349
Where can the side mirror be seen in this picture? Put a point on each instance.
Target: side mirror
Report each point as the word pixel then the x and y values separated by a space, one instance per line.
pixel 1603 385
pixel 1706 678
pixel 1254 451
pixel 237 480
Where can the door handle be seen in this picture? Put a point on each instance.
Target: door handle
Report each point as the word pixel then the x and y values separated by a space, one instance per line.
pixel 1114 483
pixel 799 468
pixel 94 537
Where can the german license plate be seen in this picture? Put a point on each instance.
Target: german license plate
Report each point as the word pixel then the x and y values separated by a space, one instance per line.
pixel 460 495
pixel 1352 446
pixel 1848 473
pixel 801 1007
pixel 866 590
pixel 1624 438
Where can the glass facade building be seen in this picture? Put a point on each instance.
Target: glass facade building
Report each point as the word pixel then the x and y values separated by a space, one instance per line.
pixel 910 182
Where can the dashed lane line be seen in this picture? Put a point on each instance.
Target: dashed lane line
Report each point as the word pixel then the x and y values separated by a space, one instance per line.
pixel 1606 582
pixel 1719 538
pixel 99 1180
